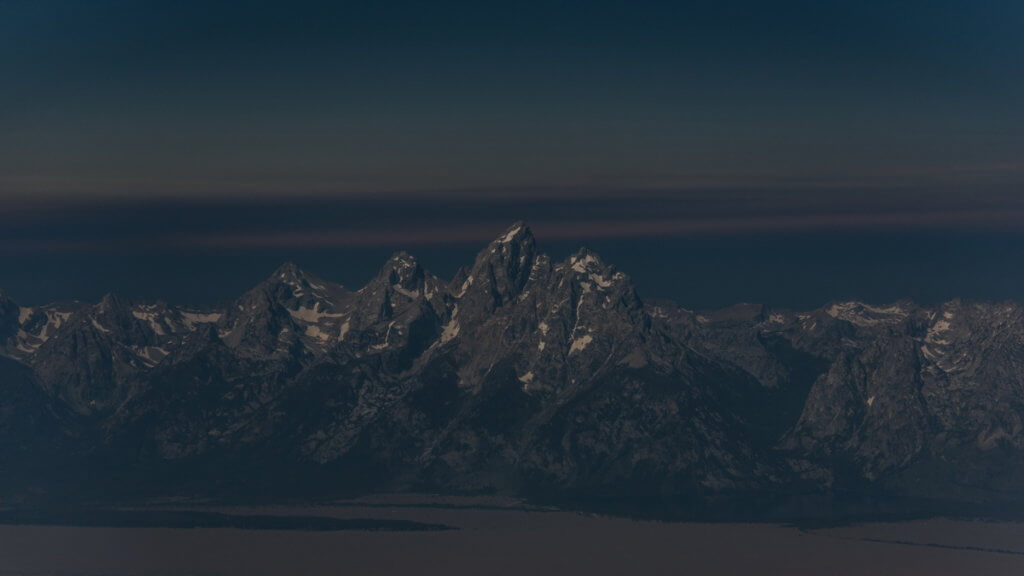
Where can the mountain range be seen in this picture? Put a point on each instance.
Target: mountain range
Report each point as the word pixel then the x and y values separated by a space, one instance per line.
pixel 520 376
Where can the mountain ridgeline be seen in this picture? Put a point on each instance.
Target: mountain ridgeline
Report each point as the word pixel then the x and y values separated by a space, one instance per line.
pixel 521 376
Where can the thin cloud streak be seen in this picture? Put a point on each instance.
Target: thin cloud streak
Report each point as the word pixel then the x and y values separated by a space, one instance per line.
pixel 413 234
pixel 36 192
pixel 614 229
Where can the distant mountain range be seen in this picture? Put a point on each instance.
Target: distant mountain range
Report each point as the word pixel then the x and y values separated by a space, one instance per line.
pixel 520 376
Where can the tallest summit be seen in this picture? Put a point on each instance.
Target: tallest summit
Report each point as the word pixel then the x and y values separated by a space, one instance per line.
pixel 502 269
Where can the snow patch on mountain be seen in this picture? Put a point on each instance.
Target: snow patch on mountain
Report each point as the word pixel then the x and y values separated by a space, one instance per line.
pixel 315 332
pixel 582 264
pixel 465 286
pixel 451 329
pixel 313 315
pixel 151 318
pixel 387 338
pixel 862 314
pixel 510 235
pixel 580 344
pixel 191 319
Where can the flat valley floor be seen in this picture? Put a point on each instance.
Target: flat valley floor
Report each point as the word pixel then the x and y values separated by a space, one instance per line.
pixel 506 538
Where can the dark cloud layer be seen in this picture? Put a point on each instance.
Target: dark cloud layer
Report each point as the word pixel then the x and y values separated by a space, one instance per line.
pixel 408 221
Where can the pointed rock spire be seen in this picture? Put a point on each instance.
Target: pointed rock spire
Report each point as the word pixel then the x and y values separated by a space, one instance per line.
pixel 503 268
pixel 588 266
pixel 291 283
pixel 290 274
pixel 287 270
pixel 517 232
pixel 586 261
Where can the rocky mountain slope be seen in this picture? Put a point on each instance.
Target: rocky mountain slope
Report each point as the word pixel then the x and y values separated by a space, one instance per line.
pixel 520 376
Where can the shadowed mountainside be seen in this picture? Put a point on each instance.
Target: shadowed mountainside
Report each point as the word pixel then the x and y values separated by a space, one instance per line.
pixel 520 376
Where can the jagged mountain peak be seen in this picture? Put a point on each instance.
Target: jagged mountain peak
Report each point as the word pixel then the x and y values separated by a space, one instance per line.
pixel 402 269
pixel 586 261
pixel 290 273
pixel 502 269
pixel 591 272
pixel 518 232
pixel 287 270
pixel 403 258
pixel 514 242
pixel 291 284
pixel 861 314
pixel 553 371
pixel 586 256
pixel 111 313
pixel 402 278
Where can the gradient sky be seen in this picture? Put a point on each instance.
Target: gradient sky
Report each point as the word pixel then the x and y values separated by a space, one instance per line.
pixel 172 132
pixel 214 98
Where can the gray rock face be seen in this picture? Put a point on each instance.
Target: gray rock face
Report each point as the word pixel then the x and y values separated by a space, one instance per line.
pixel 521 376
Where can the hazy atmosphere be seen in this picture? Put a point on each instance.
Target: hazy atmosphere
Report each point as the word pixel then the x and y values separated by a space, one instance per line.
pixel 222 99
pixel 183 150
pixel 604 287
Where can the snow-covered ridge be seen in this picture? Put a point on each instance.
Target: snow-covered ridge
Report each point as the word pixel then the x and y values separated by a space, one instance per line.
pixel 590 267
pixel 584 263
pixel 569 304
pixel 510 235
pixel 36 326
pixel 938 346
pixel 862 314
pixel 193 318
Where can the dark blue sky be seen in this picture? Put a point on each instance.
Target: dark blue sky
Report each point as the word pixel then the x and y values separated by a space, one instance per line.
pixel 178 134
pixel 212 98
